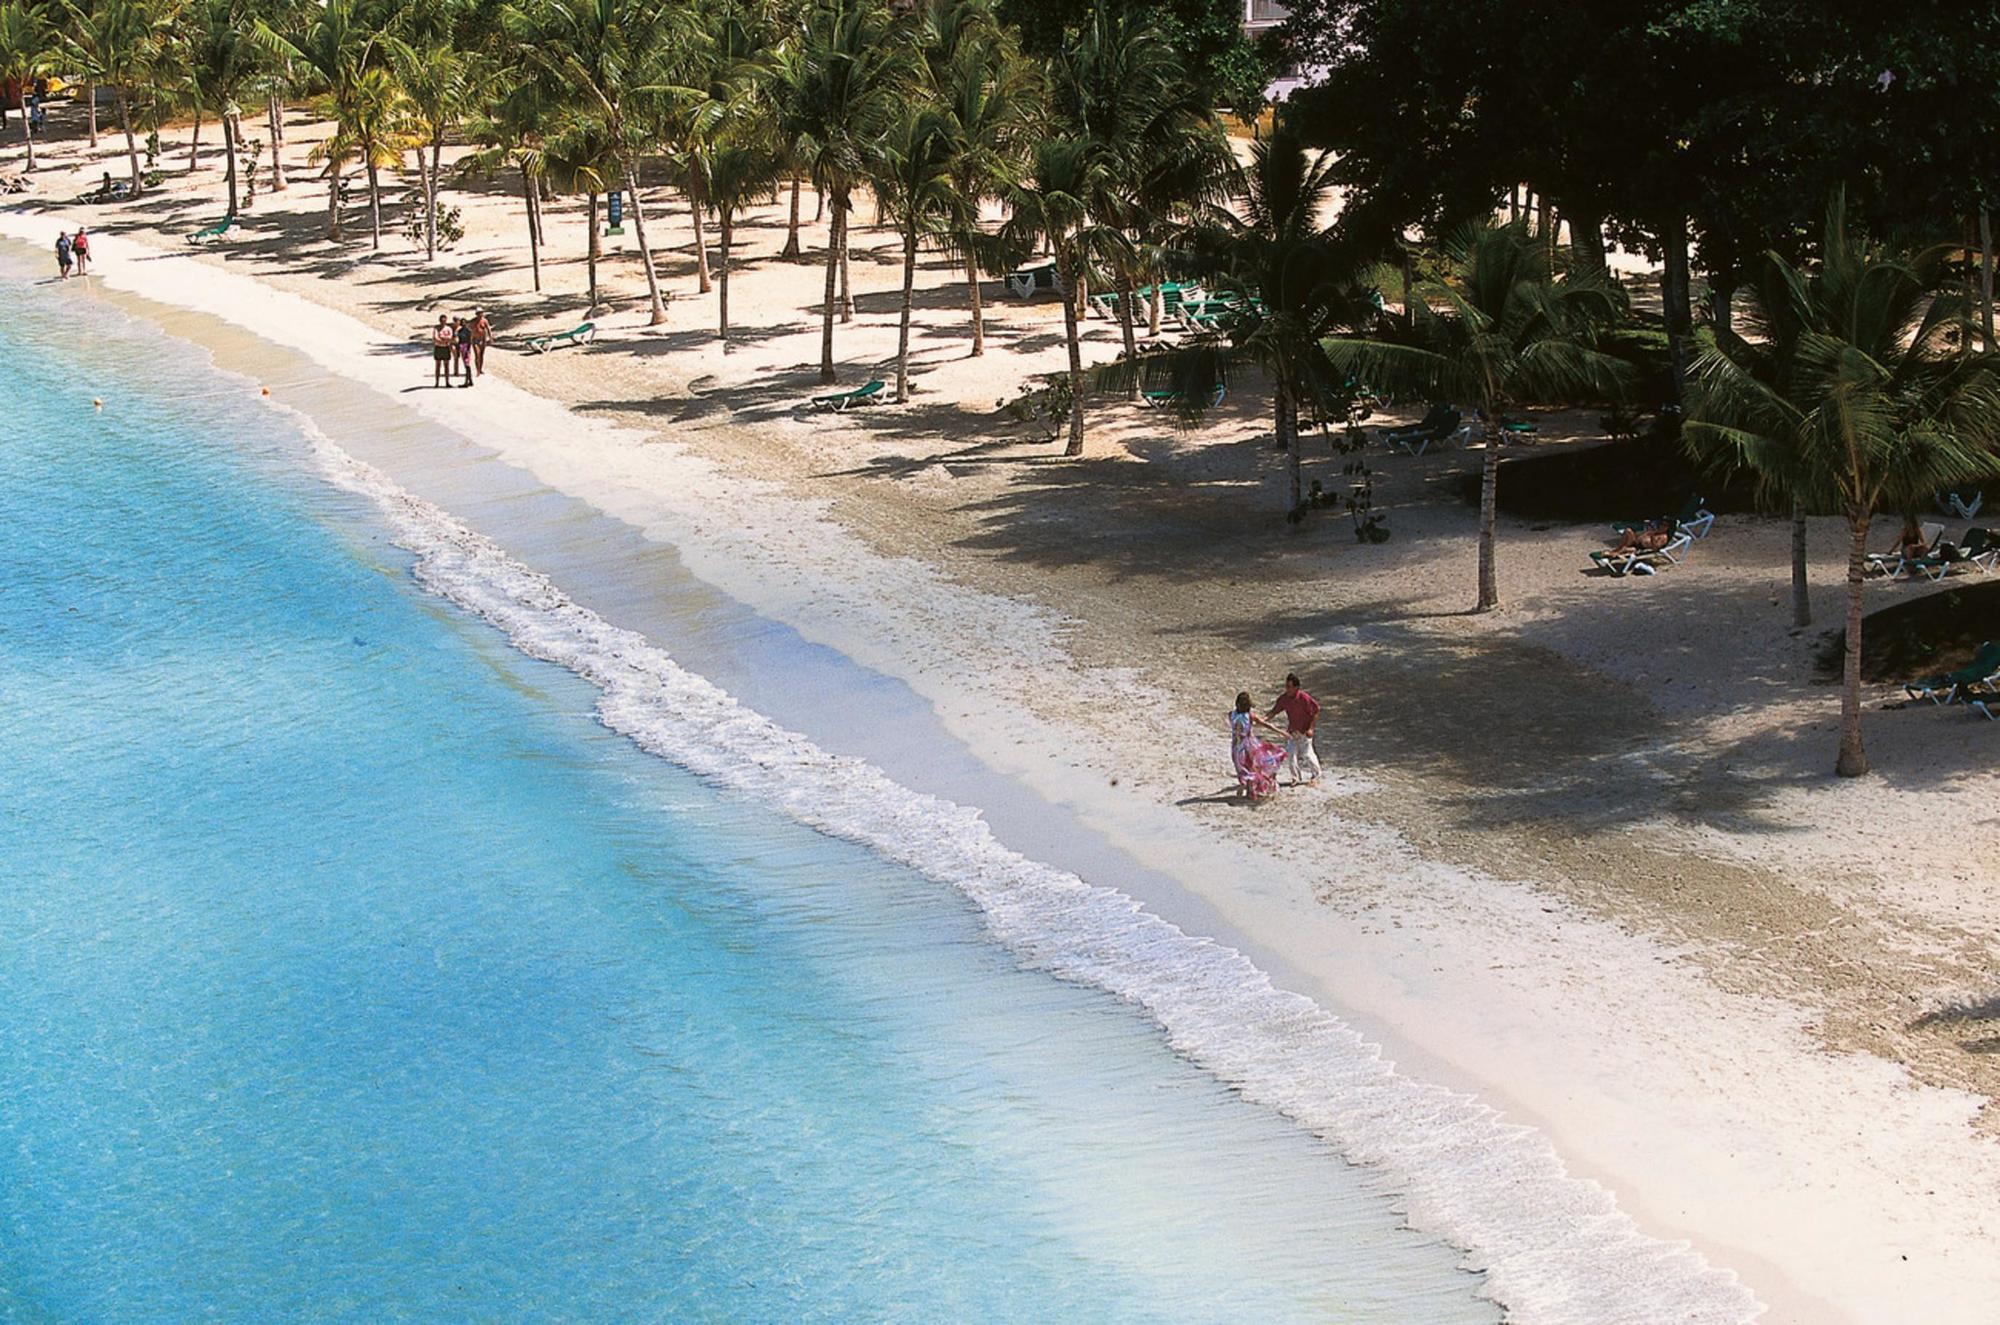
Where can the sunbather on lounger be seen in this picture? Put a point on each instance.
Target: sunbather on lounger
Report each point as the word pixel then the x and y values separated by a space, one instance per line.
pixel 1653 536
pixel 1911 542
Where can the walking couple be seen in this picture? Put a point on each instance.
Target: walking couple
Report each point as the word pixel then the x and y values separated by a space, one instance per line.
pixel 1257 760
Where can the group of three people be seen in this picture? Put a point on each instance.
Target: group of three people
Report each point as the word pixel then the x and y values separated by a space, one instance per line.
pixel 73 249
pixel 459 345
pixel 1258 761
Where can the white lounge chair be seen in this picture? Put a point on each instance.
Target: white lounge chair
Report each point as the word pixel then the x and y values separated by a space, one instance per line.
pixel 1893 565
pixel 1637 561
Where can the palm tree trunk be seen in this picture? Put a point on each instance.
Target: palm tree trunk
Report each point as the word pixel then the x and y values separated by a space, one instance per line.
pixel 27 126
pixel 1986 277
pixel 194 141
pixel 658 314
pixel 836 240
pixel 1586 242
pixel 1489 510
pixel 333 201
pixel 1801 595
pixel 725 224
pixel 1066 265
pixel 1853 761
pixel 374 205
pixel 229 136
pixel 845 207
pixel 1126 287
pixel 909 293
pixel 534 237
pixel 978 309
pixel 430 170
pixel 90 102
pixel 1674 293
pixel 1407 265
pixel 131 143
pixel 696 198
pixel 275 111
pixel 1286 425
pixel 590 258
pixel 1155 307
pixel 791 250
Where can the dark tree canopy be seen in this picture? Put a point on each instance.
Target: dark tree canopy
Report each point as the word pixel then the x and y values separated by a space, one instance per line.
pixel 1207 34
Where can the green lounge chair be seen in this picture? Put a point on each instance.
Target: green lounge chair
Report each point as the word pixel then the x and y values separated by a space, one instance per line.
pixel 1983 670
pixel 1165 399
pixel 864 394
pixel 582 335
pixel 1441 422
pixel 215 231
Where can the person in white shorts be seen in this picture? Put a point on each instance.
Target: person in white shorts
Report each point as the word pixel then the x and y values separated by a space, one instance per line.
pixel 1301 712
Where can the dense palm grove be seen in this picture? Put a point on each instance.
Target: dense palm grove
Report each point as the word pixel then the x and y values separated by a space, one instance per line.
pixel 1438 156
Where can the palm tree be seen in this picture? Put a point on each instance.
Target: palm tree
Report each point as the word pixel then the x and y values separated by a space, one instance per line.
pixel 1119 83
pixel 580 158
pixel 916 185
pixel 222 59
pixel 117 43
pixel 331 51
pixel 1498 330
pixel 609 53
pixel 737 174
pixel 853 65
pixel 986 93
pixel 1871 401
pixel 437 79
pixel 1295 286
pixel 1050 205
pixel 378 129
pixel 512 133
pixel 24 51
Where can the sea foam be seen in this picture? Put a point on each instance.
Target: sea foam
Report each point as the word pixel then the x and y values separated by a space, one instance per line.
pixel 1554 1248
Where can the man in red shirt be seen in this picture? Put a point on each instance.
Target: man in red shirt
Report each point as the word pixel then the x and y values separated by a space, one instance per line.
pixel 1301 715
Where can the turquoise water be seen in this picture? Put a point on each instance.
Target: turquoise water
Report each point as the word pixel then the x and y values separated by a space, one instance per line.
pixel 349 970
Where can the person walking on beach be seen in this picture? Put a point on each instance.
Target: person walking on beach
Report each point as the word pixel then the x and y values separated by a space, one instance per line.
pixel 1301 712
pixel 482 336
pixel 62 254
pixel 1256 760
pixel 461 335
pixel 442 342
pixel 81 247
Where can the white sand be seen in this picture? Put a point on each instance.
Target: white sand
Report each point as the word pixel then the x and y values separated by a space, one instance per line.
pixel 1609 890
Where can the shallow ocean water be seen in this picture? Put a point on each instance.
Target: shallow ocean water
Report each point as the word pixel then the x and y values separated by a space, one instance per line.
pixel 349 969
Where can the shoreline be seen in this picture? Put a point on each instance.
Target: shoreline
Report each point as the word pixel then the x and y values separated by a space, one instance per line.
pixel 1018 745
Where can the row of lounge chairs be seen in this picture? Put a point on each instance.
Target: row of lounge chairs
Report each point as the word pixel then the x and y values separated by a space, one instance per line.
pixel 1444 423
pixel 1977 548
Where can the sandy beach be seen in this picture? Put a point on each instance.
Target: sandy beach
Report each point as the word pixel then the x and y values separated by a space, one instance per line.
pixel 1582 859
